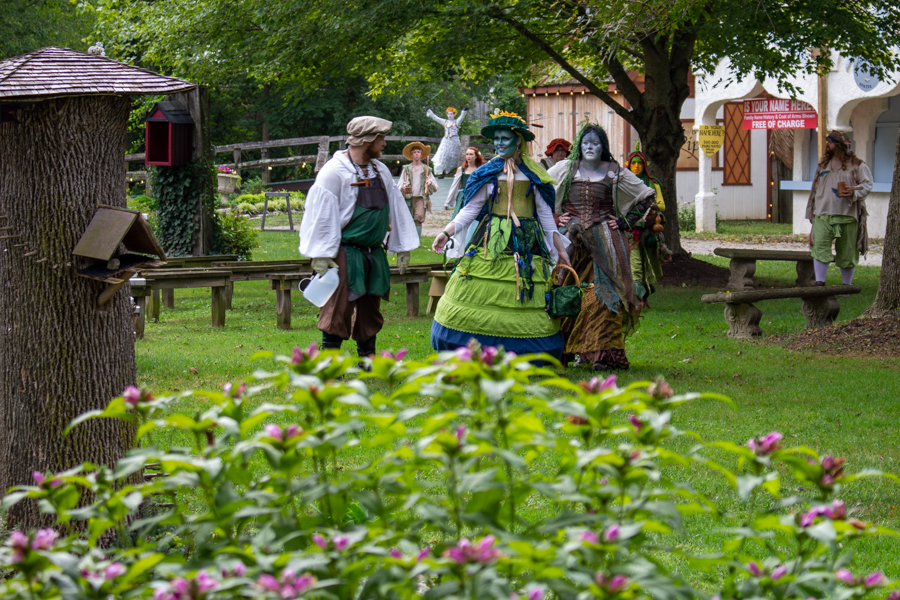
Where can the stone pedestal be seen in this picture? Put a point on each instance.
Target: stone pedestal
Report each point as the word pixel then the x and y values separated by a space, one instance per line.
pixel 820 312
pixel 743 320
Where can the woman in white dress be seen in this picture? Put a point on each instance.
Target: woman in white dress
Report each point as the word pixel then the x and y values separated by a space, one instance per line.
pixel 446 159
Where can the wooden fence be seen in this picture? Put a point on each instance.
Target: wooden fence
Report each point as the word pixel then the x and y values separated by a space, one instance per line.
pixel 323 153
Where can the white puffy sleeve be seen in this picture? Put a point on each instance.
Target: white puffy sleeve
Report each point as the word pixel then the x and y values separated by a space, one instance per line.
pixel 631 191
pixel 551 233
pixel 320 229
pixel 403 236
pixel 464 218
pixel 454 189
pixel 434 117
pixel 864 181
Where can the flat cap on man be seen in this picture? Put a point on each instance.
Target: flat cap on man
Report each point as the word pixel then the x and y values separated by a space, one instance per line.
pixel 364 130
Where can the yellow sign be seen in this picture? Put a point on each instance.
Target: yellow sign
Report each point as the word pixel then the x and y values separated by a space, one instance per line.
pixel 711 138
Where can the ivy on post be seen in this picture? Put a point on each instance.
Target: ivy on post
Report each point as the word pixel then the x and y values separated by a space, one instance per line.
pixel 187 193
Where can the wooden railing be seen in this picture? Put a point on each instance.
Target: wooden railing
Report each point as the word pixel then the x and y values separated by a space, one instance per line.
pixel 319 158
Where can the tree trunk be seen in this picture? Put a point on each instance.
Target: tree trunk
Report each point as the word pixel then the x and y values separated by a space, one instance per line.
pixel 61 354
pixel 888 297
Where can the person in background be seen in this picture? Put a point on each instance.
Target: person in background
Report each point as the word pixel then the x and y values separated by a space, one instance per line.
pixel 417 183
pixel 648 243
pixel 557 150
pixel 349 211
pixel 837 209
pixel 474 159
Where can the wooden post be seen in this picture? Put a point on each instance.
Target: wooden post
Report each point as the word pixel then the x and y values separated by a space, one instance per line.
pixel 168 298
pixel 140 317
pixel 154 304
pixel 823 109
pixel 262 226
pixel 229 294
pixel 266 173
pixel 412 299
pixel 218 306
pixel 237 161
pixel 282 303
pixel 322 155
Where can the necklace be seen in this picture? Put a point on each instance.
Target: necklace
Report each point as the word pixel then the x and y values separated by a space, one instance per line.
pixel 364 175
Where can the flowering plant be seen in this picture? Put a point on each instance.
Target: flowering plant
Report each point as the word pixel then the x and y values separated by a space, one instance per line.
pixel 471 474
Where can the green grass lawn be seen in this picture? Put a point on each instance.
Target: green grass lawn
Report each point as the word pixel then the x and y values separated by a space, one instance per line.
pixel 846 406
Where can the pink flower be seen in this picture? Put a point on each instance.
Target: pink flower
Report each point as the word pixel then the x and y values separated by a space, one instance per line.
pixel 401 353
pixel 590 537
pixel 43 539
pixel 38 477
pixel 274 431
pixel 463 354
pixel 482 551
pixel 660 389
pixel 754 568
pixel 205 582
pixel 132 395
pixel 595 386
pixel 394 552
pixel 536 593
pixel 114 570
pixel 837 511
pixel 857 524
pixel 234 392
pixel 612 533
pixel 268 582
pixel 488 355
pixel 341 542
pixel 779 572
pixel 18 541
pixel 293 431
pixel 618 582
pixel 827 480
pixel 320 541
pixel 423 553
pixel 875 579
pixel 181 587
pixel 894 595
pixel 845 576
pixel 765 445
pixel 635 421
pixel 461 433
pixel 827 462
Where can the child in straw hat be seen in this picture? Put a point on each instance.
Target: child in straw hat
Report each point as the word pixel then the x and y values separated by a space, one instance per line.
pixel 417 183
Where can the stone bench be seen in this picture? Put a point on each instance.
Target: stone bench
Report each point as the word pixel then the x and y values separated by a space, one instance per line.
pixel 820 306
pixel 743 265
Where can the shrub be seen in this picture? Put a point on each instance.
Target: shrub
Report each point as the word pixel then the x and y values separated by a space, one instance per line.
pixel 687 218
pixel 468 475
pixel 248 198
pixel 278 204
pixel 298 200
pixel 246 208
pixel 253 185
pixel 236 235
pixel 143 203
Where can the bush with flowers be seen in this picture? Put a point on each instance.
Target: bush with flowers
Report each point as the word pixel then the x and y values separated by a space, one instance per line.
pixel 471 474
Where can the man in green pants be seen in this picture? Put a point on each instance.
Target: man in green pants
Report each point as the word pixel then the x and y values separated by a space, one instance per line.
pixel 353 213
pixel 837 209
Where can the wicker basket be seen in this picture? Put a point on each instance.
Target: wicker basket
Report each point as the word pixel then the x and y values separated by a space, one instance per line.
pixel 589 297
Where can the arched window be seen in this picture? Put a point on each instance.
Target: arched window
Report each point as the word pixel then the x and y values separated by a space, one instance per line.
pixel 887 129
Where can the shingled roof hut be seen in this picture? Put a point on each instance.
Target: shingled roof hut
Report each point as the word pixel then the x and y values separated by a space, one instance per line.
pixel 63 122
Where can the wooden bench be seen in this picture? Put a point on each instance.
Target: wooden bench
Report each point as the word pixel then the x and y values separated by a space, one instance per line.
pixel 165 279
pixel 743 265
pixel 284 283
pixel 439 281
pixel 820 306
pixel 188 262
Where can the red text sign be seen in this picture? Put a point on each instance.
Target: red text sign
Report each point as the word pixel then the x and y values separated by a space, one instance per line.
pixel 777 113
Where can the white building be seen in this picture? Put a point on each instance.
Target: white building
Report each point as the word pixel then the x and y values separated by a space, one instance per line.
pixel 738 181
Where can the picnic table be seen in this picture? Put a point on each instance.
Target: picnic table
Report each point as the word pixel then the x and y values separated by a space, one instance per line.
pixel 155 280
pixel 743 265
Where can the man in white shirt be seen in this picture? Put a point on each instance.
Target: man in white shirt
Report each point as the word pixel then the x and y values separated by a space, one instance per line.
pixel 353 213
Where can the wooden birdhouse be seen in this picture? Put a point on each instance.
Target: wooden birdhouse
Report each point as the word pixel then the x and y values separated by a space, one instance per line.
pixel 169 135
pixel 117 241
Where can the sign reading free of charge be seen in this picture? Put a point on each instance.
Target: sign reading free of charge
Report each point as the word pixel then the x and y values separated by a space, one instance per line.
pixel 778 113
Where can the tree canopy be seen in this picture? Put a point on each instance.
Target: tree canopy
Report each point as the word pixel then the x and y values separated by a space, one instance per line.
pixel 402 44
pixel 31 24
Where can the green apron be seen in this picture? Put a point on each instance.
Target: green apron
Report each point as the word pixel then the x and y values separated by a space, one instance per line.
pixel 368 271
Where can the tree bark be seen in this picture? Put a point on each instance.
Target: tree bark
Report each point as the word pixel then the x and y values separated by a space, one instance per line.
pixel 61 354
pixel 888 297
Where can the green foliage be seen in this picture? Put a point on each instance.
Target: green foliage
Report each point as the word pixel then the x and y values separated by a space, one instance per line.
pixel 246 208
pixel 28 25
pixel 253 186
pixel 179 190
pixel 687 217
pixel 236 235
pixel 148 206
pixel 249 198
pixel 453 450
